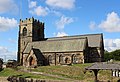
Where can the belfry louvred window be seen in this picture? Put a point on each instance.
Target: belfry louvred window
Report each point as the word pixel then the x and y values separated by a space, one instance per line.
pixel 24 31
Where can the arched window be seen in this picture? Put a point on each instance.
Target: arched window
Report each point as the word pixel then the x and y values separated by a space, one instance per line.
pixel 74 59
pixel 66 60
pixel 50 59
pixel 24 31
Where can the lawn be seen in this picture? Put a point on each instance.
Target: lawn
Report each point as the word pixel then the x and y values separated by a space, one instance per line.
pixel 12 72
pixel 74 72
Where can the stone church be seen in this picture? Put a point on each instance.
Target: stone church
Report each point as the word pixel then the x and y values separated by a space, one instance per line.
pixel 36 50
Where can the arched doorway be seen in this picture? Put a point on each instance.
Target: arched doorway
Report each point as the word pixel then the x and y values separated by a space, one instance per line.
pixel 31 61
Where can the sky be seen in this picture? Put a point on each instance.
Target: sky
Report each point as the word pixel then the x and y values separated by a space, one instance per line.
pixel 61 18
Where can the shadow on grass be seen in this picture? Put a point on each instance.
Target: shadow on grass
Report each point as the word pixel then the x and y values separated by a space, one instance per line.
pixel 27 76
pixel 23 76
pixel 18 75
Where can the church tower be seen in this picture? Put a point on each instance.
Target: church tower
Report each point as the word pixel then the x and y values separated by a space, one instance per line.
pixel 30 30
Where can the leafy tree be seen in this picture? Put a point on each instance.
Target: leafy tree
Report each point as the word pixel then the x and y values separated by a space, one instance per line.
pixel 112 55
pixel 107 56
pixel 116 54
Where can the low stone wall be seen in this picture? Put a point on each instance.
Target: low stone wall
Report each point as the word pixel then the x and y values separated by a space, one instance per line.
pixel 21 79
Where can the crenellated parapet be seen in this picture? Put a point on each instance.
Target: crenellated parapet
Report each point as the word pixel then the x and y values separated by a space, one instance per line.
pixel 31 21
pixel 27 21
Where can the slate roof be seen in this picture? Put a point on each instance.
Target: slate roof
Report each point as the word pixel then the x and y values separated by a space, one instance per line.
pixel 104 66
pixel 67 45
pixel 38 54
pixel 94 40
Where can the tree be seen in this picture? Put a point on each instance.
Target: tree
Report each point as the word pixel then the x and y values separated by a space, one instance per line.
pixel 112 55
pixel 107 56
pixel 116 54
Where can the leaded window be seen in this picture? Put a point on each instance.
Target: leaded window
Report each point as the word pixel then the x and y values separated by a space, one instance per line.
pixel 75 59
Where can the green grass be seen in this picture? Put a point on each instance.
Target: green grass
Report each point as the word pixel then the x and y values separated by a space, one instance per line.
pixel 11 72
pixel 75 72
pixel 72 72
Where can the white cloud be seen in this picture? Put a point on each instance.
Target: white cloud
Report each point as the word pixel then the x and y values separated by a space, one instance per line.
pixel 110 24
pixel 63 21
pixel 39 11
pixel 60 34
pixel 112 44
pixel 6 23
pixel 6 54
pixel 65 4
pixel 32 4
pixel 60 24
pixel 8 6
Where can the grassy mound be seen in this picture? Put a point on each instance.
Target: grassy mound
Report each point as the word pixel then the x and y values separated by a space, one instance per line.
pixel 74 72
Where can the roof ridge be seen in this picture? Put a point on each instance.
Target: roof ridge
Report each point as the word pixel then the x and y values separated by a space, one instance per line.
pixel 75 35
pixel 61 39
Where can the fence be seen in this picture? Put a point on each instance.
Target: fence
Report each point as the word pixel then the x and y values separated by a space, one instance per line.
pixel 116 73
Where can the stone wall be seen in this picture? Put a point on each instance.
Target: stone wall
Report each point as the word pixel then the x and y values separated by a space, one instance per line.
pixel 21 79
pixel 54 58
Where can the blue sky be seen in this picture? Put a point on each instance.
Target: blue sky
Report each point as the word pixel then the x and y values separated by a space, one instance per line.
pixel 61 18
